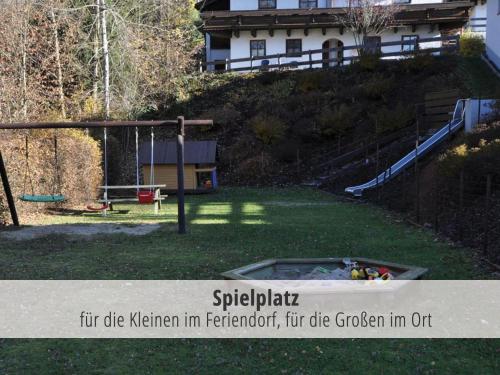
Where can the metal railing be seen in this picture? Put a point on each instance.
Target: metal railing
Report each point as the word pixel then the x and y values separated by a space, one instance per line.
pixel 256 62
pixel 456 123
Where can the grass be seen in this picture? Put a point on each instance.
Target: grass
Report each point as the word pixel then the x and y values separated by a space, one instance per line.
pixel 227 230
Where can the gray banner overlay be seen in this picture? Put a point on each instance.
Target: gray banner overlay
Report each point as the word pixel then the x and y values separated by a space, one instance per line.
pixel 240 309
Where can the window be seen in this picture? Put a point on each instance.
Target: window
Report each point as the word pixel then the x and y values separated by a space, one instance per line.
pixel 413 39
pixel 372 44
pixel 257 48
pixel 294 47
pixel 308 4
pixel 220 43
pixel 267 4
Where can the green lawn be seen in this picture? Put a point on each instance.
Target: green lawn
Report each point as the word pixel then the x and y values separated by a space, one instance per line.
pixel 227 230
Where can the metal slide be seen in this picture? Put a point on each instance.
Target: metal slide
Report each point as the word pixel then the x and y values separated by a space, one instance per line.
pixel 452 127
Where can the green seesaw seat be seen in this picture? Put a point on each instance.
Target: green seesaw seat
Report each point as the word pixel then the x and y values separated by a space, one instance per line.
pixel 42 198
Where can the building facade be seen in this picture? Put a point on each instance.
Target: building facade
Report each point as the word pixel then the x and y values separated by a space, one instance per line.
pixel 493 33
pixel 282 32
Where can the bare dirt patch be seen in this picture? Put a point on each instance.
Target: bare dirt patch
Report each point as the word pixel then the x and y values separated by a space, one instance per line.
pixel 82 231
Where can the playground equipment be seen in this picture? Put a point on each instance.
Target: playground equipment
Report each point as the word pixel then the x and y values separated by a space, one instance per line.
pixel 56 196
pixel 180 123
pixel 145 194
pixel 456 123
pixel 143 197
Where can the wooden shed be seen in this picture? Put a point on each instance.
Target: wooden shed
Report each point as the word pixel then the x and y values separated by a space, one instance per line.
pixel 200 165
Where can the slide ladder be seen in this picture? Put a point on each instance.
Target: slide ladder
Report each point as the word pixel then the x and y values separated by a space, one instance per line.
pixel 456 123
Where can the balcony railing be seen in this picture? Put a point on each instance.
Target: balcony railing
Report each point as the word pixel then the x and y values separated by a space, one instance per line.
pixel 450 44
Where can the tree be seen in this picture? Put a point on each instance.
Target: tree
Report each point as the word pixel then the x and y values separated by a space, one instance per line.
pixel 102 12
pixel 367 17
pixel 93 58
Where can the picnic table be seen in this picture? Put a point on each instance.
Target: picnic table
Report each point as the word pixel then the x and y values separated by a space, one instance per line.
pixel 108 202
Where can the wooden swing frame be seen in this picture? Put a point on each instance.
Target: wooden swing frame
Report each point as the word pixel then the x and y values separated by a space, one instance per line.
pixel 180 123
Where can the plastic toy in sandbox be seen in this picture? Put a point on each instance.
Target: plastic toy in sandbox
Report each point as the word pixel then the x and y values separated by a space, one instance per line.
pixel 326 269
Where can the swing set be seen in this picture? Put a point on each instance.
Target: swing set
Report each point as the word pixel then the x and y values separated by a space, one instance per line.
pixel 143 196
pixel 56 196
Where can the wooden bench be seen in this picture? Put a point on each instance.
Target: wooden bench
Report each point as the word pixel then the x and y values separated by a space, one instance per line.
pixel 108 202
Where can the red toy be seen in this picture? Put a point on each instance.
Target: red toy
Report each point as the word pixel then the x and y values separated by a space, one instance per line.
pixel 146 197
pixel 383 270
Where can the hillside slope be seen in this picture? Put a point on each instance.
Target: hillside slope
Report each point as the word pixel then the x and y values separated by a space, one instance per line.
pixel 275 128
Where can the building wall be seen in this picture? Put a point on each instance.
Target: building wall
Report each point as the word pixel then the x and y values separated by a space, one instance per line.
pixel 477 19
pixel 493 32
pixel 215 54
pixel 167 175
pixel 294 4
pixel 240 47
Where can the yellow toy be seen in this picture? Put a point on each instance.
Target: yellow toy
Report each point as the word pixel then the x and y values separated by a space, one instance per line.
pixel 356 275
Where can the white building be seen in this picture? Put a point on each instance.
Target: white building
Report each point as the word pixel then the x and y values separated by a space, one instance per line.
pixel 478 18
pixel 251 33
pixel 493 33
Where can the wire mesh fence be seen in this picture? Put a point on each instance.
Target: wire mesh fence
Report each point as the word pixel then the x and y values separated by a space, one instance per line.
pixel 463 207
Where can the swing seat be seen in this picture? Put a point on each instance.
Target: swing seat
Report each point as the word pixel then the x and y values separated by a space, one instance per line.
pixel 42 198
pixel 146 197
pixel 104 207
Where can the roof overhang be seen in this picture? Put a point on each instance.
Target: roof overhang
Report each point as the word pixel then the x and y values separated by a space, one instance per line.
pixel 411 14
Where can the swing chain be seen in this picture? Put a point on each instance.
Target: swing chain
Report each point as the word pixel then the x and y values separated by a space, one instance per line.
pixel 27 172
pixel 57 189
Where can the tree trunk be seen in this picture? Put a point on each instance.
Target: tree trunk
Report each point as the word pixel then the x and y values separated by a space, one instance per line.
pixel 105 55
pixel 23 73
pixel 95 84
pixel 60 83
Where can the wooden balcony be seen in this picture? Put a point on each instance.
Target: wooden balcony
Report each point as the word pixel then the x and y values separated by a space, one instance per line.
pixel 275 19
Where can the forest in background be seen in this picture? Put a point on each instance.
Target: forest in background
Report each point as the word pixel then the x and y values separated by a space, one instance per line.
pixel 74 60
pixel 82 59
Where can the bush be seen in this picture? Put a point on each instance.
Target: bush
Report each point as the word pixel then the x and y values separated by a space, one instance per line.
pixel 79 161
pixel 421 62
pixel 3 211
pixel 471 45
pixel 378 87
pixel 477 155
pixel 369 61
pixel 224 116
pixel 309 81
pixel 391 119
pixel 286 151
pixel 268 129
pixel 335 122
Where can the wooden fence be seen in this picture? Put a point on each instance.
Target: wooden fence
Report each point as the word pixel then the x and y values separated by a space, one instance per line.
pixel 438 106
pixel 450 44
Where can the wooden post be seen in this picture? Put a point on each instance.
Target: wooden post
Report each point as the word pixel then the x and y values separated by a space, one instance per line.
pixel 8 192
pixel 486 215
pixel 310 60
pixel 180 175
pixel 227 65
pixel 157 203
